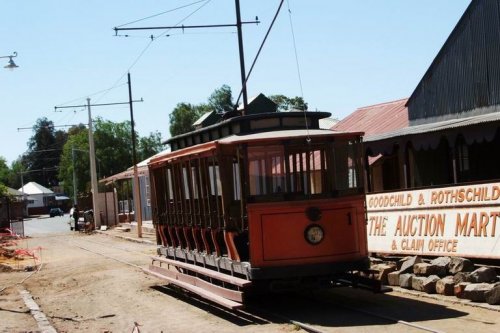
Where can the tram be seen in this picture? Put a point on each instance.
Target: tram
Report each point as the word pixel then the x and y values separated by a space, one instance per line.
pixel 260 202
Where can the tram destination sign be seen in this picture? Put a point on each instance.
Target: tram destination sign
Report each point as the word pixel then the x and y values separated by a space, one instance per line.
pixel 453 221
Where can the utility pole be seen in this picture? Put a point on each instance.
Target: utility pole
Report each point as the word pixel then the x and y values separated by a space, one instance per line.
pixel 93 173
pixel 74 175
pixel 238 25
pixel 137 192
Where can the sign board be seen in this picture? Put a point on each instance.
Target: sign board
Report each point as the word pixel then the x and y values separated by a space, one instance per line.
pixel 448 221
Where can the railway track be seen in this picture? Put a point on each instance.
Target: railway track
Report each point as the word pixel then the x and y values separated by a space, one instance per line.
pixel 307 312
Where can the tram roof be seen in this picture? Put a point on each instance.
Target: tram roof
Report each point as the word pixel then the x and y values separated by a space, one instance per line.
pixel 247 138
pixel 284 134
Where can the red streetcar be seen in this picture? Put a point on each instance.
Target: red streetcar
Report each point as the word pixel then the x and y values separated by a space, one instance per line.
pixel 259 202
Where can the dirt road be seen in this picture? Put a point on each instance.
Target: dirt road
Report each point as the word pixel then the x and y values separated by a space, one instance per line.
pixel 93 283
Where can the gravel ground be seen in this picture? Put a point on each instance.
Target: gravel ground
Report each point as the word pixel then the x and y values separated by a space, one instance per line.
pixel 81 291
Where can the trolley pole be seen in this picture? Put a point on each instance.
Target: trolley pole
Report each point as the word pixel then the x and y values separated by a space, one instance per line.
pixel 242 57
pixel 137 192
pixel 93 173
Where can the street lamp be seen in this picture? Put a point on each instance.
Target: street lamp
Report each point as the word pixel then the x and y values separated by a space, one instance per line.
pixel 11 64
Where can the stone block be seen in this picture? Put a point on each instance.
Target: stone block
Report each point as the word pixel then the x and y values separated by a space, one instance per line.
pixel 383 271
pixel 460 277
pixel 429 285
pixel 493 296
pixel 393 278
pixel 476 292
pixel 426 284
pixel 458 264
pixel 425 269
pixel 482 274
pixel 417 283
pixel 459 289
pixel 443 263
pixel 405 280
pixel 445 286
pixel 407 265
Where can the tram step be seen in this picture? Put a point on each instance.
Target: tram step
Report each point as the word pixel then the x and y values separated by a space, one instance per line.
pixel 205 271
pixel 176 279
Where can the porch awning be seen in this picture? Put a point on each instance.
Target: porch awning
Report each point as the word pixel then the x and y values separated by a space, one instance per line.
pixel 127 174
pixel 480 128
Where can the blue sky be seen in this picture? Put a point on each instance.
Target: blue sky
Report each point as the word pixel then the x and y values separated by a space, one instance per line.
pixel 351 54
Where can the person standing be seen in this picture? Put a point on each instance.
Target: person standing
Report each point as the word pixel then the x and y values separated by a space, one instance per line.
pixel 75 216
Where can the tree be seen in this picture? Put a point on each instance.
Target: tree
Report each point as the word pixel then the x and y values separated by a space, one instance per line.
pixel 113 146
pixel 150 145
pixel 75 158
pixel 113 149
pixel 182 118
pixel 44 153
pixel 221 99
pixel 5 172
pixel 15 173
pixel 184 115
pixel 287 104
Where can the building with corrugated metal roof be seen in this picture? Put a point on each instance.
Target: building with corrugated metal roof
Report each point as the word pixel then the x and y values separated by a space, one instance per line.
pixel 447 131
pixel 433 161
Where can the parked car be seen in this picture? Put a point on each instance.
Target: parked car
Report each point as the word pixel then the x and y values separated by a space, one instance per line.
pixel 56 212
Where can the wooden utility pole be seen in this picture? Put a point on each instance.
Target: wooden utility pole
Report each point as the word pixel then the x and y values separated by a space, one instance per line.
pixel 238 26
pixel 137 190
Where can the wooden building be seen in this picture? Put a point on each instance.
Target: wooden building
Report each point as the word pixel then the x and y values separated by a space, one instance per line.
pixel 442 170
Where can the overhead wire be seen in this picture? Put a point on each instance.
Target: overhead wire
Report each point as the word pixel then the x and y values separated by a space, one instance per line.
pixel 258 52
pixel 104 92
pixel 165 12
pixel 298 68
pixel 151 42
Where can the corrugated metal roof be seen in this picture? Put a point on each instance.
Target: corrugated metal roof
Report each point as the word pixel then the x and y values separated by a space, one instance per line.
pixel 434 127
pixel 376 119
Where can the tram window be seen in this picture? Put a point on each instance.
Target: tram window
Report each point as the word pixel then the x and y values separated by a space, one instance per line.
pixel 307 171
pixel 185 182
pixel 236 182
pixel 215 184
pixel 316 169
pixel 194 178
pixel 347 165
pixel 169 182
pixel 266 170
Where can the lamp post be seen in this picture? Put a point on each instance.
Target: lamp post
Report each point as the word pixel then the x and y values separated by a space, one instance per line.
pixel 11 64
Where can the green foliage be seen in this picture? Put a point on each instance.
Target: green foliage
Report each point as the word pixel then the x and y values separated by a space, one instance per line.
pixel 287 104
pixel 182 118
pixel 75 157
pixel 113 149
pixel 15 173
pixel 3 190
pixel 184 115
pixel 44 151
pixel 150 145
pixel 221 99
pixel 113 146
pixel 5 172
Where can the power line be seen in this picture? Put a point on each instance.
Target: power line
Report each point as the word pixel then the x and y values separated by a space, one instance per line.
pixel 92 94
pixel 165 12
pixel 47 127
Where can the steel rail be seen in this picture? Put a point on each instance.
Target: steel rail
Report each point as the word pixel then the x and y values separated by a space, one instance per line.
pixel 376 315
pixel 304 326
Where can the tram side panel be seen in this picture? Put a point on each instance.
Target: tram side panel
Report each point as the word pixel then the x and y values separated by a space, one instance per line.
pixel 278 237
